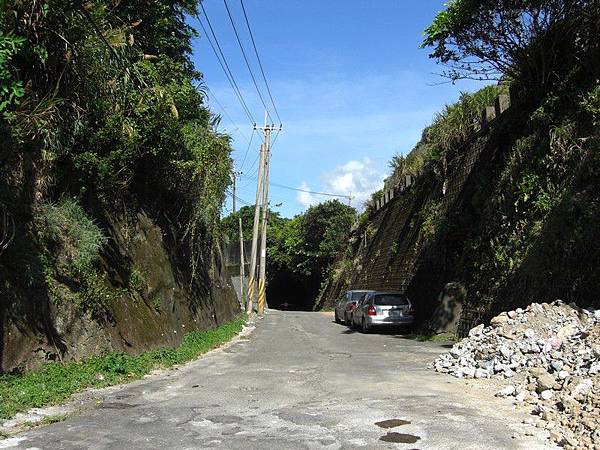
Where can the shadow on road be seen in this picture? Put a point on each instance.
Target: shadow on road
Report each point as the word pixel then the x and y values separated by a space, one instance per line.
pixel 383 331
pixel 431 339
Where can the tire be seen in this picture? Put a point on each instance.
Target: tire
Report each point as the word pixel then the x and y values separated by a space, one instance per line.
pixel 337 319
pixel 364 327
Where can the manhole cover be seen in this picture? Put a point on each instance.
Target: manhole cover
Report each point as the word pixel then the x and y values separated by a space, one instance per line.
pixel 399 438
pixel 392 423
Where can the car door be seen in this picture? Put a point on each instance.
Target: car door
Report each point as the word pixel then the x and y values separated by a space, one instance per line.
pixel 337 306
pixel 359 311
pixel 340 306
pixel 365 306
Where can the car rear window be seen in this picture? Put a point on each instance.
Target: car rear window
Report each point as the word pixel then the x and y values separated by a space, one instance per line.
pixel 390 300
pixel 356 296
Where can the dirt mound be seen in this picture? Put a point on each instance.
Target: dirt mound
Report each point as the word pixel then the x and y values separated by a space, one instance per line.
pixel 550 354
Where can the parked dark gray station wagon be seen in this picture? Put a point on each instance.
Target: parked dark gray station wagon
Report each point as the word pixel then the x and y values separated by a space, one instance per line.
pixel 383 309
pixel 345 305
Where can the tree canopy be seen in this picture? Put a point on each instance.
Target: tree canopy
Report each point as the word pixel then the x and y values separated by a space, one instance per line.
pixel 300 250
pixel 519 39
pixel 103 97
pixel 230 224
pixel 100 104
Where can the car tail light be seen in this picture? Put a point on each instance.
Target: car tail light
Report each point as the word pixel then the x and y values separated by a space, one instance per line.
pixel 351 306
pixel 371 311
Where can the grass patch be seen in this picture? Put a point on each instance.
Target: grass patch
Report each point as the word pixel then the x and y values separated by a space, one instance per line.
pixel 47 420
pixel 54 382
pixel 68 231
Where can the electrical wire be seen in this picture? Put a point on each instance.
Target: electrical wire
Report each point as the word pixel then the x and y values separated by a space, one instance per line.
pixel 223 63
pixel 239 41
pixel 328 194
pixel 258 59
pixel 274 140
pixel 247 149
pixel 255 172
pixel 236 128
pixel 248 184
pixel 239 199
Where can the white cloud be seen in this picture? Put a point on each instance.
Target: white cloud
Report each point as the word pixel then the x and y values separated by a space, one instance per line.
pixel 358 178
pixel 306 199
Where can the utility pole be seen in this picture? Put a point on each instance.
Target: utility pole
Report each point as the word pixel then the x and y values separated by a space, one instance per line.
pixel 262 297
pixel 242 262
pixel 262 201
pixel 234 176
pixel 252 274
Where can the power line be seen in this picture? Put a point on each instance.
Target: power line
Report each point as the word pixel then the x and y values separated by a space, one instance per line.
pixel 239 199
pixel 275 139
pixel 259 62
pixel 328 194
pixel 247 149
pixel 223 63
pixel 249 183
pixel 255 172
pixel 235 126
pixel 237 36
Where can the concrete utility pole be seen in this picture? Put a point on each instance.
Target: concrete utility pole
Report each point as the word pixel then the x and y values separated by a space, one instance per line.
pixel 242 262
pixel 262 201
pixel 234 177
pixel 262 297
pixel 252 274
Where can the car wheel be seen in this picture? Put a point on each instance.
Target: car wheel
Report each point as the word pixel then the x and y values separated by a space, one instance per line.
pixel 337 319
pixel 364 328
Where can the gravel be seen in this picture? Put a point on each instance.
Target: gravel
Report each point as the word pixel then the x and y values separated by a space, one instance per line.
pixel 549 354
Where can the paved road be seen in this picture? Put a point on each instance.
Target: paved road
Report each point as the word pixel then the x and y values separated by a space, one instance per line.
pixel 298 381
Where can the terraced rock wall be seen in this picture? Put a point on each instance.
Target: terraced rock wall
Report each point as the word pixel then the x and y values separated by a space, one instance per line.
pixel 508 217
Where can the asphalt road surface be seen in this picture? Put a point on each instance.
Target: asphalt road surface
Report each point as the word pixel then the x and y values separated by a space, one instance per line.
pixel 297 381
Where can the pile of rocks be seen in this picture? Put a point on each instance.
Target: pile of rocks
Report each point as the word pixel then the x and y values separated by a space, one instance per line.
pixel 550 355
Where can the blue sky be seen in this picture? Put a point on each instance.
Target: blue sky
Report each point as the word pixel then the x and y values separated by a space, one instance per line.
pixel 349 80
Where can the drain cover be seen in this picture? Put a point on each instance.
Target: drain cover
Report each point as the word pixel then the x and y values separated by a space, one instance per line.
pixel 392 423
pixel 399 438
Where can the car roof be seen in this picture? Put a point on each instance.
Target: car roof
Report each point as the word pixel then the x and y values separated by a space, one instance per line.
pixel 361 290
pixel 388 293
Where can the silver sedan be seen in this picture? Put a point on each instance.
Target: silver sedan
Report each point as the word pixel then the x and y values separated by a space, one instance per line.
pixel 383 309
pixel 345 305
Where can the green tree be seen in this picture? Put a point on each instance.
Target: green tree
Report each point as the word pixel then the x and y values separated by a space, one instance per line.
pixel 325 230
pixel 302 249
pixel 230 224
pixel 111 103
pixel 525 40
pixel 101 104
pixel 230 229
